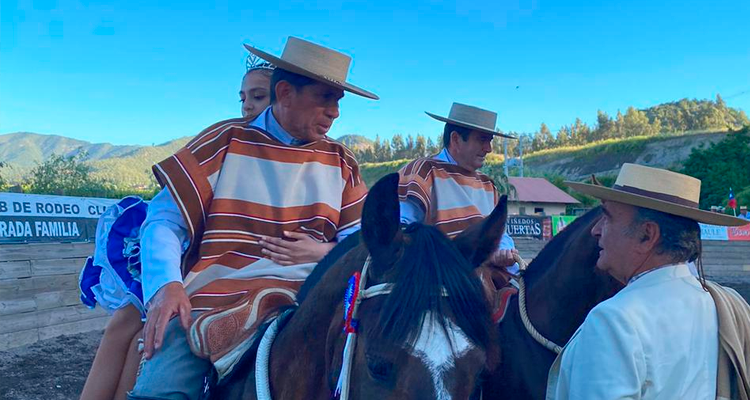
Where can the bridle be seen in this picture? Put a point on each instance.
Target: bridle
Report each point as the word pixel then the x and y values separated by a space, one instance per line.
pixel 356 292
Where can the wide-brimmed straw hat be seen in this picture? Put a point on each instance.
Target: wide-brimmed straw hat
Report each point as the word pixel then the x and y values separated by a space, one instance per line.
pixel 660 190
pixel 316 62
pixel 473 118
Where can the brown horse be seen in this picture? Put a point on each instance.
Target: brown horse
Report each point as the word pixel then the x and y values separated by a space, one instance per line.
pixel 431 337
pixel 562 286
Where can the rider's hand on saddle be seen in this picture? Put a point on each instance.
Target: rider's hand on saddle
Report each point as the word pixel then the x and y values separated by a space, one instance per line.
pixel 299 250
pixel 503 258
pixel 170 300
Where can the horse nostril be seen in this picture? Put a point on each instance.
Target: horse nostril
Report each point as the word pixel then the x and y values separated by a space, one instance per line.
pixel 379 368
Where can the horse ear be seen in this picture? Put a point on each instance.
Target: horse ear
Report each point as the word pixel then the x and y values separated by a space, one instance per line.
pixel 381 218
pixel 479 241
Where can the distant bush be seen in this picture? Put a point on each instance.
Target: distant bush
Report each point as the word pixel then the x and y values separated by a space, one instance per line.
pixel 721 166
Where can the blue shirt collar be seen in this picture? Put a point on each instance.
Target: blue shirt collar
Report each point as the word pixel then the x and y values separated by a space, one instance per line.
pixel 268 123
pixel 445 156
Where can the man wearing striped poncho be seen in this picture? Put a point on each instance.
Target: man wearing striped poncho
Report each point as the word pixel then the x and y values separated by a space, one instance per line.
pixel 447 190
pixel 233 191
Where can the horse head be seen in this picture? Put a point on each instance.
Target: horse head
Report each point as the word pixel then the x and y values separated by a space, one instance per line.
pixel 431 336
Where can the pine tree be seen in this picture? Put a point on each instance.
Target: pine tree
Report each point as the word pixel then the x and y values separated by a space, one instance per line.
pixel 605 128
pixel 398 146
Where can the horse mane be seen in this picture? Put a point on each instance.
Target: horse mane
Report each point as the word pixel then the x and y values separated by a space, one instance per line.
pixel 560 244
pixel 429 264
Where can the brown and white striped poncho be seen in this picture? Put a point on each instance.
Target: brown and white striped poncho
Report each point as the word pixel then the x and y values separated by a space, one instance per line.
pixel 452 197
pixel 234 183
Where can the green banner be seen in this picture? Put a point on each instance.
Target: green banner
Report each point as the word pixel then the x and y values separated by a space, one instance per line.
pixel 561 221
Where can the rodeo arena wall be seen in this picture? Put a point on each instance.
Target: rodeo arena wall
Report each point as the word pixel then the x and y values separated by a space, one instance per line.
pixel 45 240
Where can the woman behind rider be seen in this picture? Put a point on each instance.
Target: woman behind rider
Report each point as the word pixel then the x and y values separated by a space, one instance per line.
pixel 115 365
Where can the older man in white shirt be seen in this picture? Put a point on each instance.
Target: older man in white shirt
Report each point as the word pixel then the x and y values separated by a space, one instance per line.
pixel 658 337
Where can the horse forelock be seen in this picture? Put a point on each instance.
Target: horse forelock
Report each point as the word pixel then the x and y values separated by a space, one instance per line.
pixel 429 265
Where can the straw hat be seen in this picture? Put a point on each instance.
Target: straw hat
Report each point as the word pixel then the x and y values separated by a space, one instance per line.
pixel 660 190
pixel 316 62
pixel 473 118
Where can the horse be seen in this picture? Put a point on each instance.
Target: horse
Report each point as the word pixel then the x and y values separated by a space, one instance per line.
pixel 429 337
pixel 562 286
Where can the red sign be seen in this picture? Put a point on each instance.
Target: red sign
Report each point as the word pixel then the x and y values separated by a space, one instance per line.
pixel 547 229
pixel 739 232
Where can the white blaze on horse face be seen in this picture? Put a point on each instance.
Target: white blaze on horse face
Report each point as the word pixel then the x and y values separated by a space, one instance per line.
pixel 439 351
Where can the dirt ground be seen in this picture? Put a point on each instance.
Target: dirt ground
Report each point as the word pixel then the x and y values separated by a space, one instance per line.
pixel 57 368
pixel 50 369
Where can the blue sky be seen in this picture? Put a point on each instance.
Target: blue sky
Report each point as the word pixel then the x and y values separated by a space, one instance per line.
pixel 143 72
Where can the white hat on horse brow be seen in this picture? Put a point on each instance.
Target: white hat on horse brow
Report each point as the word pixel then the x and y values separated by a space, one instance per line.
pixel 471 117
pixel 314 61
pixel 660 190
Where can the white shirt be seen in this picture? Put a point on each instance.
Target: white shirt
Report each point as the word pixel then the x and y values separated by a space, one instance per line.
pixel 164 233
pixel 412 212
pixel 655 339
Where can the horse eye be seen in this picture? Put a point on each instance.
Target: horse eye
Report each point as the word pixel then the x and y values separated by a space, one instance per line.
pixel 379 368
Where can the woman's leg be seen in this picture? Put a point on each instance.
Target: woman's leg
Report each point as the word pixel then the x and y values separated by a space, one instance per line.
pixel 107 367
pixel 130 369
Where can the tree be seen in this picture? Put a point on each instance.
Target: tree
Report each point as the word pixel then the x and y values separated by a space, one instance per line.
pixel 721 166
pixel 525 142
pixel 3 182
pixel 605 128
pixel 65 175
pixel 720 102
pixel 584 132
pixel 545 137
pixel 563 137
pixel 377 150
pixel 635 123
pixel 420 147
pixel 432 148
pixel 656 126
pixel 386 153
pixel 409 148
pixel 497 144
pixel 398 147
pixel 619 128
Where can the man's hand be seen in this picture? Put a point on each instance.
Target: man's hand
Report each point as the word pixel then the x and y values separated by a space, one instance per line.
pixel 503 258
pixel 170 300
pixel 302 249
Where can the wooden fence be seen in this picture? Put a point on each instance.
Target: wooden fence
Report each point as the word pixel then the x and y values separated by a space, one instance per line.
pixel 39 296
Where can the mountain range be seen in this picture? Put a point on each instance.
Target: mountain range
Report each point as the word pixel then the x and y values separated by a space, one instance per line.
pixel 127 165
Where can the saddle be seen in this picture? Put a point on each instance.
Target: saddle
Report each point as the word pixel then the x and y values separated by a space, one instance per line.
pixel 213 386
pixel 499 289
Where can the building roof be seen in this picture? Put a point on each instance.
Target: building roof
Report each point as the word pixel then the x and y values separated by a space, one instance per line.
pixel 539 190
